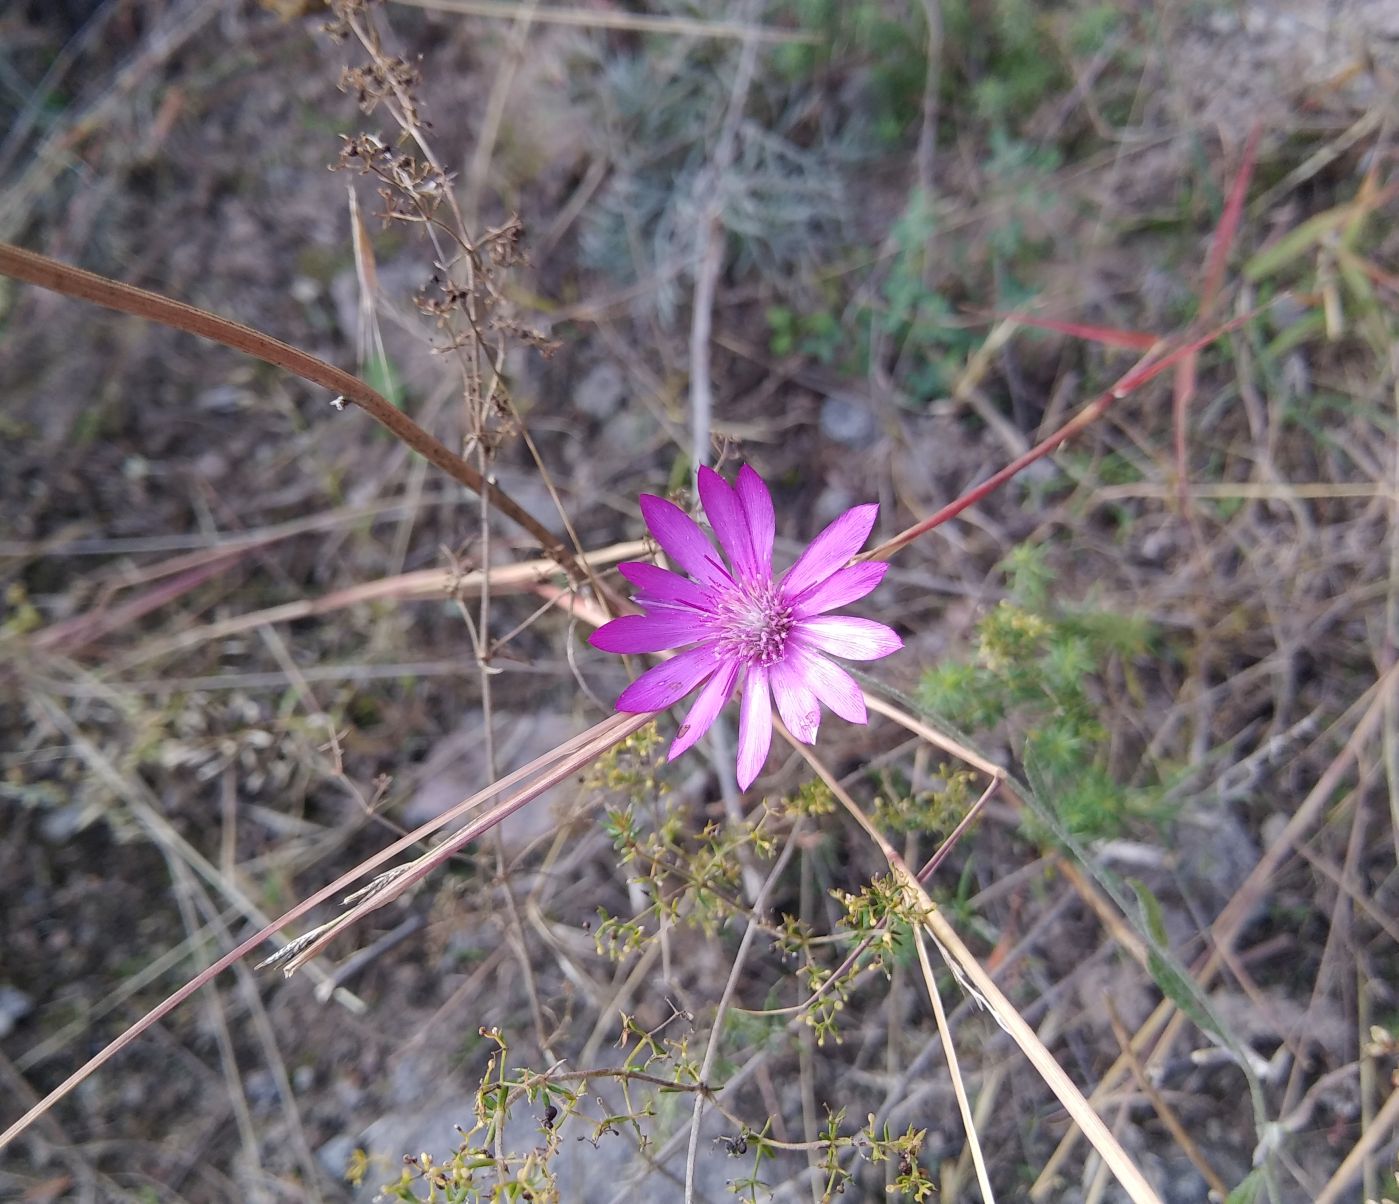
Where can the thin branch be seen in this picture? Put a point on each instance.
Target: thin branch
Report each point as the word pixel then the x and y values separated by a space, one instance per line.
pixel 982 986
pixel 711 1048
pixel 634 22
pixel 40 270
pixel 553 767
pixel 617 728
pixel 1162 1105
pixel 1370 1140
pixel 1150 366
pixel 959 1088
pixel 709 258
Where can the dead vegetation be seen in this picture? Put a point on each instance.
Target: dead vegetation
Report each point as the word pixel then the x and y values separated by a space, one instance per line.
pixel 880 252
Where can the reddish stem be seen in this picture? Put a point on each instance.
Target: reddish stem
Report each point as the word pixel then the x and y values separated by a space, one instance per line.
pixel 1147 369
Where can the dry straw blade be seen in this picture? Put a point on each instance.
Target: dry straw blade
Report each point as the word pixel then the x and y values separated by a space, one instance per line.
pixel 580 17
pixel 551 769
pixel 553 766
pixel 523 577
pixel 959 1088
pixel 973 975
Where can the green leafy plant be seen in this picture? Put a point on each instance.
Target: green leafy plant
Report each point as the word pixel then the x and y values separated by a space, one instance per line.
pixel 1035 673
pixel 869 38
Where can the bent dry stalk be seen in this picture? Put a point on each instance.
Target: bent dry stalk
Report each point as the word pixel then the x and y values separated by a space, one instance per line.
pixel 556 764
pixel 392 883
pixel 33 268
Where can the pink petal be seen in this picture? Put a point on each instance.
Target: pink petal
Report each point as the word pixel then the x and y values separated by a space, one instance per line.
pixel 797 705
pixel 844 585
pixel 649 633
pixel 830 550
pixel 710 701
pixel 754 726
pixel 666 684
pixel 756 501
pixel 830 683
pixel 661 585
pixel 681 539
pixel 851 638
pixel 728 520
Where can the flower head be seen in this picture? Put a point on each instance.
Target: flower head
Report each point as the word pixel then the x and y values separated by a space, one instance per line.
pixel 771 637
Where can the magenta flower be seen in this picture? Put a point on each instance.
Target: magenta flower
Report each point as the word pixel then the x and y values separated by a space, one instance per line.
pixel 772 637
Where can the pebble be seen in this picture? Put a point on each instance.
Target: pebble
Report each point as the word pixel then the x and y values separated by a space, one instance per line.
pixel 335 1155
pixel 15 1005
pixel 61 824
pixel 847 419
pixel 601 391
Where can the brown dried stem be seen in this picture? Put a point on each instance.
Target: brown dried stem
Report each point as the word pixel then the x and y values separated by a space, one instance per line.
pixel 572 754
pixel 40 270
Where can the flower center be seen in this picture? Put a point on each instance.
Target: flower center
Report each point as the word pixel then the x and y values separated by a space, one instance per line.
pixel 754 622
